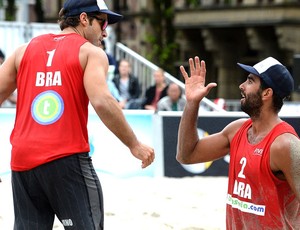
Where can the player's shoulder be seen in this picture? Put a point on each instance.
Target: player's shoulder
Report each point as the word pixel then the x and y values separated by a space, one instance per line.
pixel 284 148
pixel 21 49
pixel 91 50
pixel 285 140
pixel 19 53
pixel 234 126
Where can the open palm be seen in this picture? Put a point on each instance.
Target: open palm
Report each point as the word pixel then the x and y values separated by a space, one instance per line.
pixel 195 89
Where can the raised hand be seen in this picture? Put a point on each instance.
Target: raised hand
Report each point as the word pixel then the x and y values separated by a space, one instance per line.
pixel 195 89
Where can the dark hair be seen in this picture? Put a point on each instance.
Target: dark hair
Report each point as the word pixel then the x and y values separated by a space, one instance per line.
pixel 277 101
pixel 65 22
pixel 72 21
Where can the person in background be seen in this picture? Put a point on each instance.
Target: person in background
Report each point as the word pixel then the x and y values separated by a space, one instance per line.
pixel 127 84
pixel 113 90
pixel 111 60
pixel 58 76
pixel 155 92
pixel 173 101
pixel 2 57
pixel 112 64
pixel 221 103
pixel 264 169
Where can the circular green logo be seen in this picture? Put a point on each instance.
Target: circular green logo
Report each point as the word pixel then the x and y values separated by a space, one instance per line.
pixel 47 107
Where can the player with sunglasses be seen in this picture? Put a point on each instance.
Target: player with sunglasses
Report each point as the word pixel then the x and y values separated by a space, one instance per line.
pixel 57 76
pixel 102 22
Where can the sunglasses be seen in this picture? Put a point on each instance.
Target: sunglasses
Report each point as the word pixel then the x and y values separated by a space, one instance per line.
pixel 102 22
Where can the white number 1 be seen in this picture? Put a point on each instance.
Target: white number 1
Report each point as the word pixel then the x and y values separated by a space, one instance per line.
pixel 50 58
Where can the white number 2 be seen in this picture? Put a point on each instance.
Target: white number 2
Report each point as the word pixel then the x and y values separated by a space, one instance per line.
pixel 243 162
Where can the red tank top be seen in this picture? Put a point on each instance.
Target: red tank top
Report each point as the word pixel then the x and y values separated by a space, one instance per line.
pixel 52 108
pixel 256 198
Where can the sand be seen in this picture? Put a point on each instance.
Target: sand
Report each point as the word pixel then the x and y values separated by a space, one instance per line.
pixel 147 203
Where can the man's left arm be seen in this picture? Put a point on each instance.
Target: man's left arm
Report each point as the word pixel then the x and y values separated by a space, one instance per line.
pixel 295 164
pixel 285 157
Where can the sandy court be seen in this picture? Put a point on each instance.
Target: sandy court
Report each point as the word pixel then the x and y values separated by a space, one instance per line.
pixel 147 203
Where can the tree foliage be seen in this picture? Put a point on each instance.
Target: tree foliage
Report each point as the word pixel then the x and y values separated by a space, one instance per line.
pixel 162 36
pixel 10 11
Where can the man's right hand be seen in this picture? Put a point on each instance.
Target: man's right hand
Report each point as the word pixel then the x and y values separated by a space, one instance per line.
pixel 195 89
pixel 144 153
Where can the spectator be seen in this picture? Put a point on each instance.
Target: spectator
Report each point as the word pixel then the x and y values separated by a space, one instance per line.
pixel 112 65
pixel 221 103
pixel 113 89
pixel 2 57
pixel 128 86
pixel 155 92
pixel 111 60
pixel 174 101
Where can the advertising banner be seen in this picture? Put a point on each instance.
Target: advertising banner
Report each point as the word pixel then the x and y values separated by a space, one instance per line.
pixel 208 124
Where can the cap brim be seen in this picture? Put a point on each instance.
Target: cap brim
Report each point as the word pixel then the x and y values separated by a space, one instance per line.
pixel 249 69
pixel 112 16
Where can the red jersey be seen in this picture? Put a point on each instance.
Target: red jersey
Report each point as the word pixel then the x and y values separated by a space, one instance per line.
pixel 52 108
pixel 256 198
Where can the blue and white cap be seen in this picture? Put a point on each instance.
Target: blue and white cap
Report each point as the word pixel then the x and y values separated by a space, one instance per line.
pixel 274 75
pixel 76 7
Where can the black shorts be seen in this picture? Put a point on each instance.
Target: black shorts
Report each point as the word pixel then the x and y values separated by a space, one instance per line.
pixel 68 188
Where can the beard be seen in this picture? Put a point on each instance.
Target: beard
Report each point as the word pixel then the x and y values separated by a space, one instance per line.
pixel 252 104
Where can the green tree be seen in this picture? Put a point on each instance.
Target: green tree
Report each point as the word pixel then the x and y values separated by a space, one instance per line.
pixel 39 11
pixel 10 11
pixel 162 36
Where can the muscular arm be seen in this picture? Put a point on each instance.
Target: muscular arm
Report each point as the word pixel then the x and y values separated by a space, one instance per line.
pixel 107 107
pixel 190 149
pixel 285 157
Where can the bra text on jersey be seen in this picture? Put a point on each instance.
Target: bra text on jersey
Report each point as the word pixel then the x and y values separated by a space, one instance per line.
pixel 48 79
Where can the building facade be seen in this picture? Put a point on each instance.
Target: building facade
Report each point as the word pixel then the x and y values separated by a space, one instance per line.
pixel 224 32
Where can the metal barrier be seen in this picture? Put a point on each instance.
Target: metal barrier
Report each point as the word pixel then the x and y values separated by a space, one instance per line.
pixel 143 69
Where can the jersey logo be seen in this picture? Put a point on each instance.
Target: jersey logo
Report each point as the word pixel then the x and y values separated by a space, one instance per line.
pixel 47 107
pixel 258 152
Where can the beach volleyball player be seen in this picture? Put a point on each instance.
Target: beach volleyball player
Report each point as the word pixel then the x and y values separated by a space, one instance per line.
pixel 57 75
